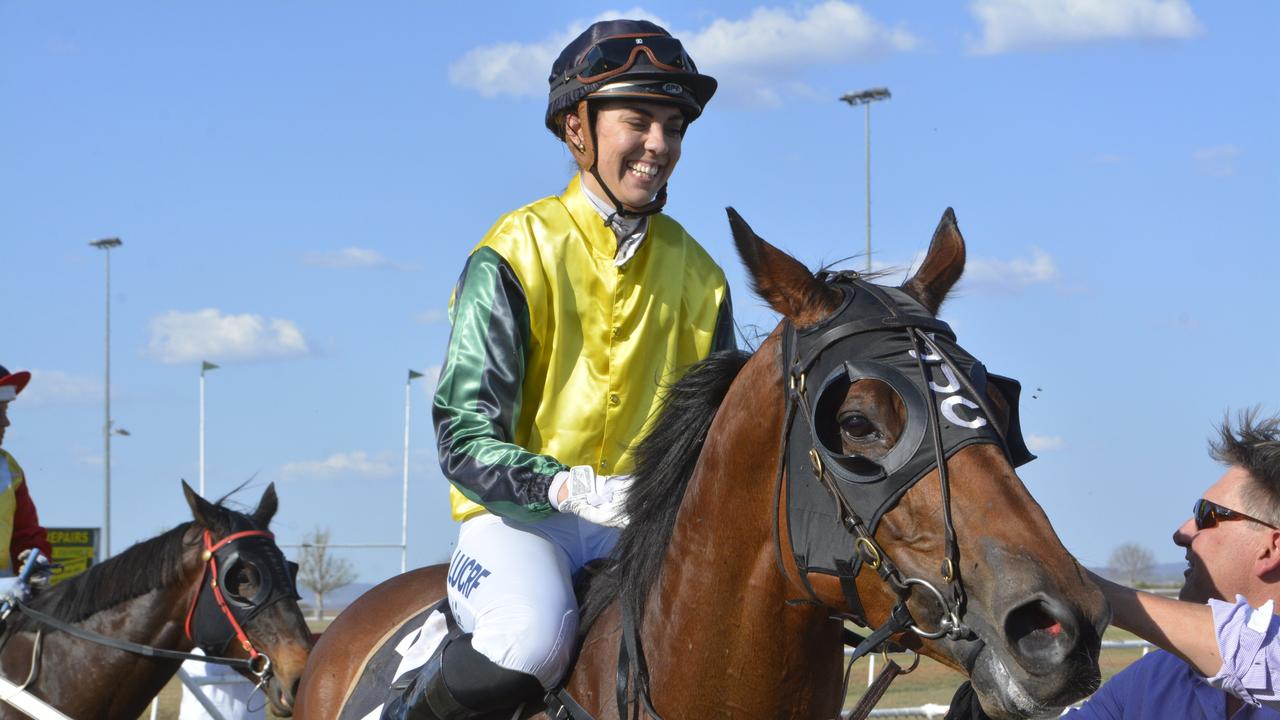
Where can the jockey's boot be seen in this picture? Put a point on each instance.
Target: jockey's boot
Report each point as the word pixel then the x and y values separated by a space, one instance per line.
pixel 482 689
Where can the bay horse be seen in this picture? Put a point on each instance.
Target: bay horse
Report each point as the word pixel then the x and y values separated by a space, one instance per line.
pixel 152 594
pixel 779 493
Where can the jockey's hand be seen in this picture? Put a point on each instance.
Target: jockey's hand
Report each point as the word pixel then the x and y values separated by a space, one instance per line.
pixel 40 575
pixel 594 498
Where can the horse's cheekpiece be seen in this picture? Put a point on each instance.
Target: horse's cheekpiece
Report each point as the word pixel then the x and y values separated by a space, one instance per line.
pixel 883 334
pixel 220 610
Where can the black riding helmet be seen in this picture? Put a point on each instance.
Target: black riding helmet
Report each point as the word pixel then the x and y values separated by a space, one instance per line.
pixel 616 59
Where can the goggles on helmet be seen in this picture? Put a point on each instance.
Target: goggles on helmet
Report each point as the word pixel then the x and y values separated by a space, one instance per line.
pixel 615 55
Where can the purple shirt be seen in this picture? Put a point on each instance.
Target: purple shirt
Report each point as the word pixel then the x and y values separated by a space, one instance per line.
pixel 1250 651
pixel 1159 686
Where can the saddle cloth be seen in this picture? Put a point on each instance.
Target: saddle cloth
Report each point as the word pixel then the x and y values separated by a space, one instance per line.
pixel 405 649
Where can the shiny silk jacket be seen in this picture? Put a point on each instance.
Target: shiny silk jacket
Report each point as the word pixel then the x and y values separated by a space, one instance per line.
pixel 557 356
pixel 20 527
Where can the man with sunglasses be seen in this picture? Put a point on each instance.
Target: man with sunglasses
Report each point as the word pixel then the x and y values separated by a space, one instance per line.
pixel 1222 636
pixel 569 316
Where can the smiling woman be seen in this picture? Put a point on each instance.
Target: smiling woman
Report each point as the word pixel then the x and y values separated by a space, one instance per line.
pixel 568 317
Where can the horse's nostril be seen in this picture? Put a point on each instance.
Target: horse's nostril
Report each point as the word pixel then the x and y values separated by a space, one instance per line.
pixel 1040 632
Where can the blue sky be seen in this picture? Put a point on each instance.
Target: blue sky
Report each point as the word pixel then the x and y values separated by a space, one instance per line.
pixel 298 184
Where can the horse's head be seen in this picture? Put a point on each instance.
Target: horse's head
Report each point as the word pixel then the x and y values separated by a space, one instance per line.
pixel 878 394
pixel 246 605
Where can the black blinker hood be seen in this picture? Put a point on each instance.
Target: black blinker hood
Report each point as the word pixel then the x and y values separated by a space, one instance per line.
pixel 867 338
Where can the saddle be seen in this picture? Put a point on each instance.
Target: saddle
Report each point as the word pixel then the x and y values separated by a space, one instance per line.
pixel 408 647
pixel 397 658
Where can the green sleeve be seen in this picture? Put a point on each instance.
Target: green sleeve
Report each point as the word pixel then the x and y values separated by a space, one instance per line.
pixel 477 402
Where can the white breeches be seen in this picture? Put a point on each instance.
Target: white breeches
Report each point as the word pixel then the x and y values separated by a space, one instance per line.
pixel 511 587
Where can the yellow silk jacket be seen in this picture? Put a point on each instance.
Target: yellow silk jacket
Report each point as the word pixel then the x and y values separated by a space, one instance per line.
pixel 557 356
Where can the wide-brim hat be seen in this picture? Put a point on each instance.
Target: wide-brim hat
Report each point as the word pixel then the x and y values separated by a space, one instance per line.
pixel 12 383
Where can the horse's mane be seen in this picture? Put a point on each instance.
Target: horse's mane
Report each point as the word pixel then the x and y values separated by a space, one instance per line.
pixel 146 566
pixel 665 460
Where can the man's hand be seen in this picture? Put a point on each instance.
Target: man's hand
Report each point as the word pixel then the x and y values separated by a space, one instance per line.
pixel 595 498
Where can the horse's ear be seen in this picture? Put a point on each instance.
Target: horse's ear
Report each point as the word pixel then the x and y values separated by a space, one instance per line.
pixel 780 279
pixel 266 506
pixel 202 510
pixel 942 265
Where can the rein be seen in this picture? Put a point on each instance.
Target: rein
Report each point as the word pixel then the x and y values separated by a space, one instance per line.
pixel 144 650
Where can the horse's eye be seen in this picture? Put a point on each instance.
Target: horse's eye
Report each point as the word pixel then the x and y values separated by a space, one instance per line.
pixel 243 580
pixel 857 427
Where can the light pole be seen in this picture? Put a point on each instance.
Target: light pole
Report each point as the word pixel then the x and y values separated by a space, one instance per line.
pixel 866 97
pixel 205 366
pixel 404 492
pixel 106 244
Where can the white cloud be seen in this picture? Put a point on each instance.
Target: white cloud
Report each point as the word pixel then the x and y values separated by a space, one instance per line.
pixel 777 41
pixel 430 379
pixel 432 316
pixel 1110 159
pixel 756 59
pixel 49 387
pixel 1012 274
pixel 1217 161
pixel 352 257
pixel 1045 443
pixel 1037 24
pixel 520 69
pixel 358 464
pixel 178 337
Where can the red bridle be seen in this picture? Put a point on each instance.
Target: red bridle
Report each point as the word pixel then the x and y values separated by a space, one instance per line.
pixel 211 564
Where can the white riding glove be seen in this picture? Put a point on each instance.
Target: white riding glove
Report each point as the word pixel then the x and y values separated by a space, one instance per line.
pixel 594 498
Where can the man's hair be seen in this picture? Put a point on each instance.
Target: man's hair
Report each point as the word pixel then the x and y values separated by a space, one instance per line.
pixel 1253 446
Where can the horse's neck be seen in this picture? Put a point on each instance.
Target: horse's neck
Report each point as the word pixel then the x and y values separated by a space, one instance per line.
pixel 720 604
pixel 156 618
pixel 95 681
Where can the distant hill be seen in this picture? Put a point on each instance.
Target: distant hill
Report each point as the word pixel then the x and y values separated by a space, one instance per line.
pixel 1169 573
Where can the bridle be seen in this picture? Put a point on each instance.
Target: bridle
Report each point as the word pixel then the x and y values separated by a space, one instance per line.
pixel 213 635
pixel 884 334
pixel 213 629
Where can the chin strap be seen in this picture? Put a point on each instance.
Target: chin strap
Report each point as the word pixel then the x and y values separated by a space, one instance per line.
pixel 585 156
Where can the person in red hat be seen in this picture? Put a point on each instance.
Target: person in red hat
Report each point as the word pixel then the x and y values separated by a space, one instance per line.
pixel 20 529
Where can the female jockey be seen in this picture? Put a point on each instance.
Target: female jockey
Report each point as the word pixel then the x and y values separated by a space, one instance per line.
pixel 569 316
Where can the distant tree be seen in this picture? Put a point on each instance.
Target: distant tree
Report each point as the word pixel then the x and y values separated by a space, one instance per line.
pixel 1132 562
pixel 321 572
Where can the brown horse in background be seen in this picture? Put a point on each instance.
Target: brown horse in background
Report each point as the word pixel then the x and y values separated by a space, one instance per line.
pixel 143 596
pixel 728 627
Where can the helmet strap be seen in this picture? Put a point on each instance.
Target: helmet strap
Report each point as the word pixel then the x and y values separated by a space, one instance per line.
pixel 585 155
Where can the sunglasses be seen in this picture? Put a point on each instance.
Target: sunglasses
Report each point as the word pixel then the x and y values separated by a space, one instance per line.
pixel 615 55
pixel 1208 514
